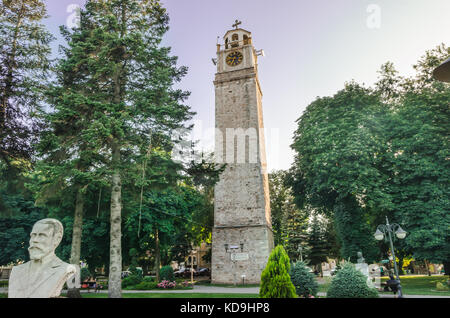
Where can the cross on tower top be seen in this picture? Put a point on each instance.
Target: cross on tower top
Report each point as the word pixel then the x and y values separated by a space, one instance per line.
pixel 236 24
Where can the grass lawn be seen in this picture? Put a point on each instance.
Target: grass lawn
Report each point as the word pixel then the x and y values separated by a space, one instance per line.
pixel 412 285
pixel 421 285
pixel 173 295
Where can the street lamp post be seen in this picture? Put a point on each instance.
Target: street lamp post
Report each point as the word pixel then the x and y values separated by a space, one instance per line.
pixel 192 266
pixel 389 229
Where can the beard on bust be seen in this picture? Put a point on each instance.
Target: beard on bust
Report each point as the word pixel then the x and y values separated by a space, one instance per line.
pixel 37 252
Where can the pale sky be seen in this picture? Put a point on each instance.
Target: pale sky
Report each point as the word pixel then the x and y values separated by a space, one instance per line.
pixel 312 48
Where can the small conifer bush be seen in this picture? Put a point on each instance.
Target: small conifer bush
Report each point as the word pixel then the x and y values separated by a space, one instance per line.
pixel 303 280
pixel 350 283
pixel 275 279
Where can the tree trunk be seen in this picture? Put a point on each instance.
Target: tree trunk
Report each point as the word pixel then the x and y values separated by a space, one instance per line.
pixel 427 267
pixel 115 251
pixel 157 255
pixel 77 229
pixel 76 239
pixel 447 268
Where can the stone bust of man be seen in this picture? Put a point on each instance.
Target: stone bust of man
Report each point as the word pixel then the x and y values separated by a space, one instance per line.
pixel 361 259
pixel 45 274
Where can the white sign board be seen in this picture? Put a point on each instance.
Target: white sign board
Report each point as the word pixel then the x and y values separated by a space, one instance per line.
pixel 239 256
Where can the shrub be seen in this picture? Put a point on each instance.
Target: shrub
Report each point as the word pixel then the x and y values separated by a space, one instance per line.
pixel 131 280
pixel 350 283
pixel 165 284
pixel 275 279
pixel 148 279
pixel 146 286
pixel 441 287
pixel 304 281
pixel 166 273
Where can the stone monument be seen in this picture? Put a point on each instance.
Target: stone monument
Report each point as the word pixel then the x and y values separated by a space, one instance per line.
pixel 242 236
pixel 45 274
pixel 363 267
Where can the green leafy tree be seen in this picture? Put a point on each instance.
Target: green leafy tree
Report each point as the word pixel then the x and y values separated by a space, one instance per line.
pixel 166 220
pixel 418 160
pixel 275 279
pixel 336 166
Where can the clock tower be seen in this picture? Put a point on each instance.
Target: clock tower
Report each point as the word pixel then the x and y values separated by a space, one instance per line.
pixel 242 236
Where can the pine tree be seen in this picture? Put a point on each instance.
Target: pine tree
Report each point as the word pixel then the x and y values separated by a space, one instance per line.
pixel 24 69
pixel 120 96
pixel 289 223
pixel 316 241
pixel 275 279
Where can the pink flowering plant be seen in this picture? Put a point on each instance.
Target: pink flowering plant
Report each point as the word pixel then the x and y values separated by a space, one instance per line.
pixel 165 284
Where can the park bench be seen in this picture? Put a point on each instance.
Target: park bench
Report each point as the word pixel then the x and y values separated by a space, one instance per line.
pixel 95 285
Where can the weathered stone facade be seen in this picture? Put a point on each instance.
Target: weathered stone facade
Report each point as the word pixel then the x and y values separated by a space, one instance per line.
pixel 242 221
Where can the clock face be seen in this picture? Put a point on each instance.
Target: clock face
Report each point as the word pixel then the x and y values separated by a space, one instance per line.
pixel 234 58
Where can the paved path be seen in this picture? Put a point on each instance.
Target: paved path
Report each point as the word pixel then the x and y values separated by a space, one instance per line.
pixel 199 290
pixel 232 290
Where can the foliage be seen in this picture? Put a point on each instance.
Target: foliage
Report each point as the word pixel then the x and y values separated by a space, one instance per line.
pixel 365 153
pixel 166 273
pixel 148 279
pixel 15 231
pixel 85 273
pixel 165 284
pixel 170 211
pixel 303 280
pixel 24 72
pixel 144 286
pixel 335 165
pixel 441 287
pixel 114 97
pixel 350 283
pixel 275 279
pixel 131 280
pixel 289 224
pixel 317 252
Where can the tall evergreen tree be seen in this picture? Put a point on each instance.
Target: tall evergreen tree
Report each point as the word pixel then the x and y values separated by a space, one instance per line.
pixel 123 79
pixel 317 252
pixel 24 70
pixel 289 223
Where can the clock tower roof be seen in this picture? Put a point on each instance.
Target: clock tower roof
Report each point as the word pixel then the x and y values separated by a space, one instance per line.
pixel 238 30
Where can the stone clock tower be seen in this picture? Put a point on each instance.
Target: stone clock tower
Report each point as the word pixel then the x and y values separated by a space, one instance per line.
pixel 242 236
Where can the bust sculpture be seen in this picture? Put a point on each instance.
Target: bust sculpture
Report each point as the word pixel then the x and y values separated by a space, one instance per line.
pixel 45 274
pixel 361 259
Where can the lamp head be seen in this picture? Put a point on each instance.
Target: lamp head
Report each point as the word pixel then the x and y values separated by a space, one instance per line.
pixel 400 233
pixel 378 235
